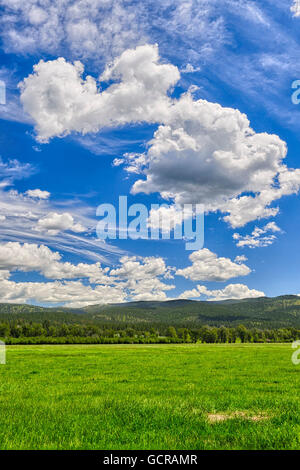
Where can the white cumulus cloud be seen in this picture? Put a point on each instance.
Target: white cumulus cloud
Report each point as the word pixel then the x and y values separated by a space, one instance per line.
pixel 240 259
pixel 232 291
pixel 207 266
pixel 61 101
pixel 259 237
pixel 208 154
pixel 38 193
pixel 54 222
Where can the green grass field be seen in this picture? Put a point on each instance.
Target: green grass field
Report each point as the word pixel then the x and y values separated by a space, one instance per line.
pixel 150 397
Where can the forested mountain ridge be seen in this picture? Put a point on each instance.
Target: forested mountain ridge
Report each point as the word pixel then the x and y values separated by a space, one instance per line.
pixel 269 312
pixel 264 312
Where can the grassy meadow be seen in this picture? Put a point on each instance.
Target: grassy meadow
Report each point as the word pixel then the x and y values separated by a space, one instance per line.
pixel 196 396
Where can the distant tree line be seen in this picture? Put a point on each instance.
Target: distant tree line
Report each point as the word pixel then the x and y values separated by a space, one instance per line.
pixel 47 332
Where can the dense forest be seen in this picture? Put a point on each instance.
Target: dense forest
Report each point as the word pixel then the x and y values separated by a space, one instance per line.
pixel 28 332
pixel 178 321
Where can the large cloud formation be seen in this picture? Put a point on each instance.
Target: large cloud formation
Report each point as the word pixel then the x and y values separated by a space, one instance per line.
pixel 79 284
pixel 201 153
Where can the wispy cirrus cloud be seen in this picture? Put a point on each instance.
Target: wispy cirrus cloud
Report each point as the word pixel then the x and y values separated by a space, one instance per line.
pixel 12 169
pixel 81 29
pixel 32 216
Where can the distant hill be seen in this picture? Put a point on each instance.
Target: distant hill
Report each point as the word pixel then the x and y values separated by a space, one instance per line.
pixel 264 312
pixel 268 312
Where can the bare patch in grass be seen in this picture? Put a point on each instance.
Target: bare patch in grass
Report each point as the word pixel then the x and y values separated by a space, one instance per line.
pixel 215 418
pixel 218 417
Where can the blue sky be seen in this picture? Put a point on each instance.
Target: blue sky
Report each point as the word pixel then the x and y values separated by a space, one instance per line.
pixel 173 102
